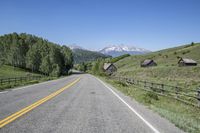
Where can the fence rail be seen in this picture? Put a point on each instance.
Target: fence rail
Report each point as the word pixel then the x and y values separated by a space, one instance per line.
pixel 16 80
pixel 191 97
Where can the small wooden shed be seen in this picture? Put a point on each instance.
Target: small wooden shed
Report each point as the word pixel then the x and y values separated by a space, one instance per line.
pixel 187 62
pixel 109 68
pixel 148 63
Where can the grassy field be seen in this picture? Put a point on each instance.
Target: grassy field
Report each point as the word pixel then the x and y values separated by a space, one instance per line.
pixel 9 72
pixel 167 71
pixel 184 116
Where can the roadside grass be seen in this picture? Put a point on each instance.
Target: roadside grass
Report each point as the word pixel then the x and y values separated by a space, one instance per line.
pixel 184 116
pixel 12 85
pixel 185 77
pixel 9 71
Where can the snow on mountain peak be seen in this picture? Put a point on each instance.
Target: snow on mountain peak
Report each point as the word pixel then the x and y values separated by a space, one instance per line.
pixel 74 46
pixel 122 48
pixel 116 50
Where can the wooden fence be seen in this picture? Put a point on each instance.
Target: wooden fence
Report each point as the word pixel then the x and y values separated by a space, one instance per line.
pixel 16 80
pixel 191 97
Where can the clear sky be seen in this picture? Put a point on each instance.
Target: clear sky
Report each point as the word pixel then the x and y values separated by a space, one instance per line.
pixel 93 24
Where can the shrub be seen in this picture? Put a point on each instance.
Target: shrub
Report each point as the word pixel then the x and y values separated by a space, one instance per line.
pixel 150 96
pixel 175 53
pixel 185 52
pixel 121 83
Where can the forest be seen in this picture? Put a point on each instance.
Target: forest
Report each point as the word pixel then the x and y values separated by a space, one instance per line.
pixel 35 54
pixel 81 56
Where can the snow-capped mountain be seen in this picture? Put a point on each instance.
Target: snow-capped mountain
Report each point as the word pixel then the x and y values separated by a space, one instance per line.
pixel 117 50
pixel 74 46
pixel 84 55
pixel 114 50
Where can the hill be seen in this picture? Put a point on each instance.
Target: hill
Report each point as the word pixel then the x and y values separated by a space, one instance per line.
pixel 82 55
pixel 167 71
pixel 9 71
pixel 35 54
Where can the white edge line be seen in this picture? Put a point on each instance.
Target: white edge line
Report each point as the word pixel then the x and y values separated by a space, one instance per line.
pixel 134 111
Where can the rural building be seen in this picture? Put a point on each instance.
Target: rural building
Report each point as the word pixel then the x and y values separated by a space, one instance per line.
pixel 186 62
pixel 109 68
pixel 148 63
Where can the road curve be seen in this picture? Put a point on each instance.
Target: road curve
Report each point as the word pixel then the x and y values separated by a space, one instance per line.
pixel 88 106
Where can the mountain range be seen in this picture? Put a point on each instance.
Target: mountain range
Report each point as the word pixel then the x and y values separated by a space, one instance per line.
pixel 83 55
pixel 115 50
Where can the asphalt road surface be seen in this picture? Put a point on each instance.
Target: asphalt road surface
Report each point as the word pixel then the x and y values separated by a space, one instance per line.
pixel 76 104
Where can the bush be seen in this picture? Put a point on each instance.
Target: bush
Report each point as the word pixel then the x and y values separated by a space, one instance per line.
pixel 185 52
pixel 150 96
pixel 175 53
pixel 121 83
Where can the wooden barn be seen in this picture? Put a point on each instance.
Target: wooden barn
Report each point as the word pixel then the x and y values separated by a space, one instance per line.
pixel 187 62
pixel 148 63
pixel 109 68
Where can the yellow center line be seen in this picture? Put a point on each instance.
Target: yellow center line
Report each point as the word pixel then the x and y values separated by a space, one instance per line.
pixel 23 111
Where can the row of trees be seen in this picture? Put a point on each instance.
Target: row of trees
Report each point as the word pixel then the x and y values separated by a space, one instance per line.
pixel 94 67
pixel 36 54
pixel 81 55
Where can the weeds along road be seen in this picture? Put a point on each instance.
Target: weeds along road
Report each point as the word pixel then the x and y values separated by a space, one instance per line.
pixel 76 104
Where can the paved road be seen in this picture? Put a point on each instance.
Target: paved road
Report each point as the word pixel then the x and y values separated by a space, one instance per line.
pixel 89 106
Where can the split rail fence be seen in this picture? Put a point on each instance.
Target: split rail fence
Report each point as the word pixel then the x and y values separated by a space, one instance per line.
pixel 191 97
pixel 16 80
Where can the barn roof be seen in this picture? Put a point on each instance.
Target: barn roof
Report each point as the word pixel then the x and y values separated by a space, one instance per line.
pixel 188 61
pixel 146 62
pixel 107 65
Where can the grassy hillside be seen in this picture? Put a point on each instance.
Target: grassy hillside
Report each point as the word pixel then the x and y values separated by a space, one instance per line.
pixel 167 70
pixel 9 71
pixel 184 116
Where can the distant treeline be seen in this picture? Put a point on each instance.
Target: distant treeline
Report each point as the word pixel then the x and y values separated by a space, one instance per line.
pixel 113 60
pixel 81 56
pixel 96 67
pixel 36 54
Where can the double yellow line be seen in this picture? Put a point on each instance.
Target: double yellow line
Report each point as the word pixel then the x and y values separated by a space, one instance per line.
pixel 16 115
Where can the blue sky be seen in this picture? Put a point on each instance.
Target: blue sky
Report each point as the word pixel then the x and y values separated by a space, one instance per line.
pixel 94 24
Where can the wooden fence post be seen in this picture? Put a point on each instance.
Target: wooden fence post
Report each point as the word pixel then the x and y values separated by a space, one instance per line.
pixel 177 90
pixel 162 88
pixel 145 84
pixel 198 96
pixel 152 87
pixel 15 80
